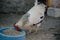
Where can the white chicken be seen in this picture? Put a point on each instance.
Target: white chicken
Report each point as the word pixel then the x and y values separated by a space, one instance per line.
pixel 33 18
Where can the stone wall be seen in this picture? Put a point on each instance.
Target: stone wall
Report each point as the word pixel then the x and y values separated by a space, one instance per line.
pixel 15 5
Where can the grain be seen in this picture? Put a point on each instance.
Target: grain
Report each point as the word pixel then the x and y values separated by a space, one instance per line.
pixel 11 32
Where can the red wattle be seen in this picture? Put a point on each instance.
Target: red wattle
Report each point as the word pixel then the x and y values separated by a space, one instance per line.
pixel 16 27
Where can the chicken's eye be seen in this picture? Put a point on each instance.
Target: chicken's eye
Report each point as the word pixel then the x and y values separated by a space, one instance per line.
pixel 33 24
pixel 41 17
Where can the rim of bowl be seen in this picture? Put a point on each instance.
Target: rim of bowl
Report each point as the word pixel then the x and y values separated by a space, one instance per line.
pixel 23 33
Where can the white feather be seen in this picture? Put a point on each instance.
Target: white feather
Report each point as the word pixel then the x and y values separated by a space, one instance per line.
pixel 32 17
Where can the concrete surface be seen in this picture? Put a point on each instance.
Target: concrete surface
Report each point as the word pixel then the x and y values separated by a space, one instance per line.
pixel 49 27
pixel 15 5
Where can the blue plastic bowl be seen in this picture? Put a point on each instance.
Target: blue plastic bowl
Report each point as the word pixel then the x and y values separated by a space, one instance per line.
pixel 7 37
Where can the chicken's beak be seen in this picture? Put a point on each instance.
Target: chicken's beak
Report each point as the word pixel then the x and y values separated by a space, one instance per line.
pixel 17 27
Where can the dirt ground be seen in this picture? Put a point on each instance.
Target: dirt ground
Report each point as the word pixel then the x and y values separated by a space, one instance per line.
pixel 48 29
